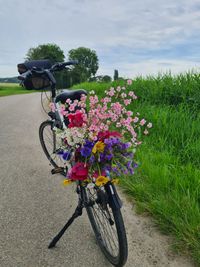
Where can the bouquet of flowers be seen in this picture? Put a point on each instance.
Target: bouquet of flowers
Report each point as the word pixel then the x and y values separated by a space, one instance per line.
pixel 102 136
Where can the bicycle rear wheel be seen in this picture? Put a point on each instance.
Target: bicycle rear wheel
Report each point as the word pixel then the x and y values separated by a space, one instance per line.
pixel 51 144
pixel 45 101
pixel 108 226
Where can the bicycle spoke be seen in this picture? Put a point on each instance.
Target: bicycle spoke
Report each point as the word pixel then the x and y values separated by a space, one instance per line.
pixel 107 231
pixel 108 238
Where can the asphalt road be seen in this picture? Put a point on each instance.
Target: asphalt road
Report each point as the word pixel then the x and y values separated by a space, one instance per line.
pixel 34 205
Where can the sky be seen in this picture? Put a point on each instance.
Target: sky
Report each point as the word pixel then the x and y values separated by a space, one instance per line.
pixel 135 37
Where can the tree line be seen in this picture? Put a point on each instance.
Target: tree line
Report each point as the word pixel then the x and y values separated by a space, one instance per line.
pixel 84 71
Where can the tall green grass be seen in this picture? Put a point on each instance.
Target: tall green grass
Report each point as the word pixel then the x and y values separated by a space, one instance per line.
pixel 167 181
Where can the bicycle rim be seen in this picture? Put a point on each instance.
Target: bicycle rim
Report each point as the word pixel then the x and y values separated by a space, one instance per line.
pixel 108 227
pixel 45 101
pixel 51 144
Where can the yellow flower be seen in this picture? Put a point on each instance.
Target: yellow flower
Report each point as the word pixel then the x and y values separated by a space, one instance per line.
pixel 115 181
pixel 67 182
pixel 101 180
pixel 98 147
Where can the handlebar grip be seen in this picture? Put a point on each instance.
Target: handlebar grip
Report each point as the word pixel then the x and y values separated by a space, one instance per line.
pixel 24 75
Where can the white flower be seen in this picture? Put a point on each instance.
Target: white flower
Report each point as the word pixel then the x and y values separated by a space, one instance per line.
pixel 149 125
pixel 90 185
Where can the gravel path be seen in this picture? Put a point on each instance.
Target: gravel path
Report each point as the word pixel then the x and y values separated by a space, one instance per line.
pixel 34 205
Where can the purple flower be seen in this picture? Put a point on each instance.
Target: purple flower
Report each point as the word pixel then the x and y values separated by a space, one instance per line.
pixel 86 150
pixel 131 170
pixel 135 165
pixel 66 155
pixel 102 157
pixel 111 141
pixel 109 157
pixel 115 170
pixel 129 163
pixel 92 159
pixel 126 145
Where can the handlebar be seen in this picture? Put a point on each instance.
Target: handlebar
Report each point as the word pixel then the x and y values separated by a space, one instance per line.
pixel 61 66
pixel 40 71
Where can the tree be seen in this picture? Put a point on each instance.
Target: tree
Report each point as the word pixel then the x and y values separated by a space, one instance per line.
pixel 116 75
pixel 106 79
pixel 46 51
pixel 88 64
pixel 52 52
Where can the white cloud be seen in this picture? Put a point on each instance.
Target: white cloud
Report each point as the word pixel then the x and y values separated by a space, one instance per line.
pixel 151 67
pixel 114 28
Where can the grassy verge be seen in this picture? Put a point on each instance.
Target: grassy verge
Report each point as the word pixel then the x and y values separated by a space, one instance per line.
pixel 7 89
pixel 167 182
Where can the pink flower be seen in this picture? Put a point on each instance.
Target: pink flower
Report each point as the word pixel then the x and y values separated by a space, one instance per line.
pixel 146 132
pixel 129 82
pixel 83 98
pixel 129 113
pixel 68 101
pixel 72 107
pixel 123 95
pixel 142 122
pixel 118 89
pixel 135 97
pixel 106 100
pixel 131 93
pixel 117 107
pixel 111 92
pixel 136 119
pixel 127 101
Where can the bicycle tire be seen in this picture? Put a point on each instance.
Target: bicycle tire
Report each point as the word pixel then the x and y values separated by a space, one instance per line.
pixel 45 101
pixel 49 142
pixel 120 258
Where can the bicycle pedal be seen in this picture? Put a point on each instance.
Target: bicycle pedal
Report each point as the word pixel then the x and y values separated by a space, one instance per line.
pixel 57 170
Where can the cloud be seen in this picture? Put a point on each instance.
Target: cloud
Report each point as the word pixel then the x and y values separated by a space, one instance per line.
pixel 150 67
pixel 122 33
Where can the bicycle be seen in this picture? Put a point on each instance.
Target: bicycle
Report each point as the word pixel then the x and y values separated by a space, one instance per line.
pixel 102 204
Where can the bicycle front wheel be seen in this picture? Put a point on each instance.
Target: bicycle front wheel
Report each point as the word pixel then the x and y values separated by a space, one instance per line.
pixel 108 226
pixel 51 144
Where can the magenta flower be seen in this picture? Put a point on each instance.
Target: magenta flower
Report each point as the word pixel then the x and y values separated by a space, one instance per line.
pixel 79 171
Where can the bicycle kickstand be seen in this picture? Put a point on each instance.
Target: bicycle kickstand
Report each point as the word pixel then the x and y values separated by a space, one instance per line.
pixel 77 213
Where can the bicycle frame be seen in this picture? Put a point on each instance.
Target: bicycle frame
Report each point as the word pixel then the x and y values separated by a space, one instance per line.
pixel 58 116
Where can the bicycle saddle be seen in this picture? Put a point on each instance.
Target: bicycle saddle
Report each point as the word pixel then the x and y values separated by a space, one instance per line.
pixel 72 94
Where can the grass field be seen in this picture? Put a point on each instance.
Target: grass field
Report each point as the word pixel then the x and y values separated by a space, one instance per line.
pixel 167 182
pixel 12 89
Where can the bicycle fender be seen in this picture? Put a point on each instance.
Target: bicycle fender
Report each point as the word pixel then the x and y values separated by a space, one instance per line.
pixel 113 197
